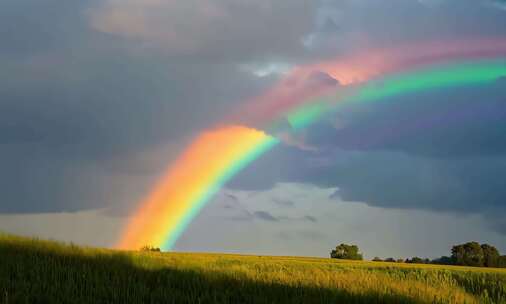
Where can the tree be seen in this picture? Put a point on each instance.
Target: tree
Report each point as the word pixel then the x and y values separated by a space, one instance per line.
pixel 468 254
pixel 490 255
pixel 348 252
pixel 501 261
pixel 377 259
pixel 391 260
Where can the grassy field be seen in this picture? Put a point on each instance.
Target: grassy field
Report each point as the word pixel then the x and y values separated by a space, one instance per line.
pixel 34 271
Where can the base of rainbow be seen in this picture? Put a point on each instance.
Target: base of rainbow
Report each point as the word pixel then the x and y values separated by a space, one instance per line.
pixel 208 163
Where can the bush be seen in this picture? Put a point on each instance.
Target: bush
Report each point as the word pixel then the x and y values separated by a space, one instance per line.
pixel 150 249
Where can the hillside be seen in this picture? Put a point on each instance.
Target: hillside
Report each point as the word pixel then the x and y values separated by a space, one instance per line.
pixel 37 271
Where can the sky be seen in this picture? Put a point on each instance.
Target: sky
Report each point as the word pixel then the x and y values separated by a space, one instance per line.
pixel 98 97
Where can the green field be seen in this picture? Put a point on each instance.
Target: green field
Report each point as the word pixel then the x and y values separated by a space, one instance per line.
pixel 34 271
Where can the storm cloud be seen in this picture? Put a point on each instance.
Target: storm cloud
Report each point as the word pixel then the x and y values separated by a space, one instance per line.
pixel 98 97
pixel 81 110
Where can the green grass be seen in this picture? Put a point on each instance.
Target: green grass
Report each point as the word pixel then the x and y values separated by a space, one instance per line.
pixel 34 271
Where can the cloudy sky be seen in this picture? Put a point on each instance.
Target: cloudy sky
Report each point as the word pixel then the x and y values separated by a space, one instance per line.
pixel 99 96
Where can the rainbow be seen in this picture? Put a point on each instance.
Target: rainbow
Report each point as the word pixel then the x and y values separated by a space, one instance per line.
pixel 460 73
pixel 217 154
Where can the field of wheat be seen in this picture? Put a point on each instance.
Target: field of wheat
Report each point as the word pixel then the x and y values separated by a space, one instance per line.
pixel 35 271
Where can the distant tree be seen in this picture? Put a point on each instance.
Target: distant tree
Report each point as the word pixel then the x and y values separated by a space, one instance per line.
pixel 391 260
pixel 377 259
pixel 348 252
pixel 418 260
pixel 468 254
pixel 490 255
pixel 444 260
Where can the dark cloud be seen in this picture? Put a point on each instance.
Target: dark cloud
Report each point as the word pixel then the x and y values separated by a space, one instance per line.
pixel 470 185
pixel 232 197
pixel 445 123
pixel 103 112
pixel 366 22
pixel 329 26
pixel 393 180
pixel 310 218
pixel 231 202
pixel 305 218
pixel 266 216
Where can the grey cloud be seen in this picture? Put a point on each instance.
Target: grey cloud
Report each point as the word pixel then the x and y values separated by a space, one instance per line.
pixel 23 32
pixel 246 217
pixel 267 216
pixel 432 3
pixel 78 107
pixel 310 218
pixel 283 202
pixel 222 30
pixel 319 78
pixel 302 234
pixel 277 165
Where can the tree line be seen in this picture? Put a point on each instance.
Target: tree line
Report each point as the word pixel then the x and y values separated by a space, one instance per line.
pixel 467 254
